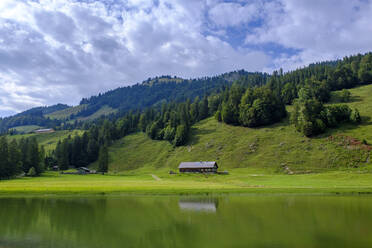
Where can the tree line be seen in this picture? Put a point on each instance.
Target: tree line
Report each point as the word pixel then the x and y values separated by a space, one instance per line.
pixel 23 156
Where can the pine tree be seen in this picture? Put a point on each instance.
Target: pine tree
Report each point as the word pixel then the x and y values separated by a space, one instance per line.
pixel 204 110
pixel 62 155
pixel 34 156
pixel 103 159
pixel 42 159
pixel 92 150
pixel 181 135
pixel 23 145
pixel 15 157
pixel 4 164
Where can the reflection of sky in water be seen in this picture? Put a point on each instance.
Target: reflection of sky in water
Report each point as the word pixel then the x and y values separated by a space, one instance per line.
pixel 197 206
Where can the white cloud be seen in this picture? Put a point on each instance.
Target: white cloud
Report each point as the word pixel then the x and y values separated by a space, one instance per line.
pixel 322 30
pixel 62 50
pixel 75 49
pixel 233 14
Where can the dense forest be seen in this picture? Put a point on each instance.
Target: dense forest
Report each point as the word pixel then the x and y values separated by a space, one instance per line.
pixel 253 100
pixel 23 156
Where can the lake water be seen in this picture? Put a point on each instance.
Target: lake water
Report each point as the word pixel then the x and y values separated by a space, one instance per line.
pixel 172 221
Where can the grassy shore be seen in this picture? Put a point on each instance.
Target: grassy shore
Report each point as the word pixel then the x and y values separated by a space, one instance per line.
pixel 239 181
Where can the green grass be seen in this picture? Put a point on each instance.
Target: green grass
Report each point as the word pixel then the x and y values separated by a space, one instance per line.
pixel 104 110
pixel 26 129
pixel 239 181
pixel 65 113
pixel 49 140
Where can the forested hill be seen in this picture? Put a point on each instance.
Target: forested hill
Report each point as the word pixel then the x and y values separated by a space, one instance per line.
pixel 158 90
pixel 34 116
pixel 152 92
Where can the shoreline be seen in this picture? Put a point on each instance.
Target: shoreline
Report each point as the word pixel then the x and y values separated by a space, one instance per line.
pixel 184 192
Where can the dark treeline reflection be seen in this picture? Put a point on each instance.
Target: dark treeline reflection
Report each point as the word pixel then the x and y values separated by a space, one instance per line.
pixel 235 221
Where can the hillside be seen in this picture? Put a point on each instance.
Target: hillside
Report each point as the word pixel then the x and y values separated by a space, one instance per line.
pixel 48 140
pixel 275 148
pixel 155 91
pixel 151 92
pixel 66 113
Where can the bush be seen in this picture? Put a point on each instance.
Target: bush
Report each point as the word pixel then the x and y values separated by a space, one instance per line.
pixel 355 116
pixel 32 172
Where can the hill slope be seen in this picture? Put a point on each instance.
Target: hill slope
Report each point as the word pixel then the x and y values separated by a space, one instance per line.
pixel 276 148
pixel 151 92
pixel 48 140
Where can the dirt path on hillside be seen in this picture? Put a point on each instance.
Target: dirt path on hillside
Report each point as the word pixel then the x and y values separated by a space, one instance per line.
pixel 156 177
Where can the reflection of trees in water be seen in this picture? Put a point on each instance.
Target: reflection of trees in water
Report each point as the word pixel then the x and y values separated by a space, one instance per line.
pixel 198 204
pixel 183 222
pixel 33 220
pixel 88 222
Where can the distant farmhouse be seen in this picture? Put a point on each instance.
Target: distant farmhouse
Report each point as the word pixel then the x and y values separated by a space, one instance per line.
pixel 198 167
pixel 46 130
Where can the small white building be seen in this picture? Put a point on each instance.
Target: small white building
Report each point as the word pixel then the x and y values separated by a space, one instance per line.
pixel 46 130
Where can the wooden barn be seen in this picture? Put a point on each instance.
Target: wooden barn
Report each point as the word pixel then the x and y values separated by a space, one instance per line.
pixel 198 167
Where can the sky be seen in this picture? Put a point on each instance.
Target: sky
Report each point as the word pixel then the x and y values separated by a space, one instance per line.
pixel 58 51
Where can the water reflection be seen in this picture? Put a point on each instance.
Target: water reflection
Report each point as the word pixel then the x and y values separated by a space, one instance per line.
pixel 231 221
pixel 198 205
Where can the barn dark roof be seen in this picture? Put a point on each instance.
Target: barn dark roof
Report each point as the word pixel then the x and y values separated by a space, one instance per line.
pixel 201 164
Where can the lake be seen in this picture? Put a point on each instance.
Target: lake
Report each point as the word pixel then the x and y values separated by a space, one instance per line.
pixel 175 221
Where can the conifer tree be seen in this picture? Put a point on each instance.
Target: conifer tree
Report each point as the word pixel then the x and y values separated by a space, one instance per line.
pixel 204 110
pixel 4 163
pixel 103 159
pixel 15 157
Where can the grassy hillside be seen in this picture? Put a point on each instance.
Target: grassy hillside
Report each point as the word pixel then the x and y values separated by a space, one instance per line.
pixel 27 128
pixel 276 148
pixel 65 113
pixel 49 140
pixel 104 110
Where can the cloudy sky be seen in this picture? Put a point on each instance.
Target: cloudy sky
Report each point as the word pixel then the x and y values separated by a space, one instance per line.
pixel 55 51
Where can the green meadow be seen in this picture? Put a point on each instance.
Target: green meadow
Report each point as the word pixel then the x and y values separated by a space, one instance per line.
pixel 239 181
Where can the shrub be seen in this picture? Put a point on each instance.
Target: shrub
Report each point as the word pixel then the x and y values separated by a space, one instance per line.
pixel 355 116
pixel 32 172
